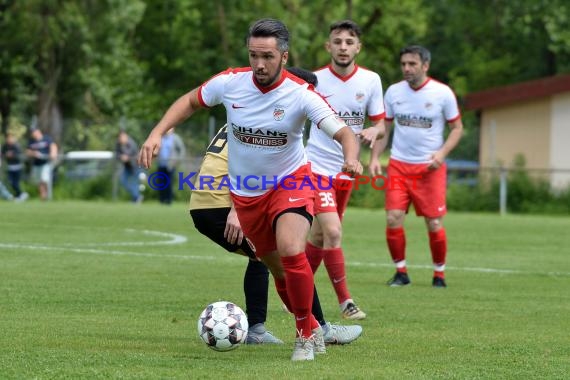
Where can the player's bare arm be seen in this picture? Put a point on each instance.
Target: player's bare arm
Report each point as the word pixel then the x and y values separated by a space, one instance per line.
pixel 456 131
pixel 347 139
pixel 371 134
pixel 338 130
pixel 179 111
pixel 53 152
pixel 374 165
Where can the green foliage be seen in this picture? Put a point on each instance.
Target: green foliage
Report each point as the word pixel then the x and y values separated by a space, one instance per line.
pixel 78 56
pixel 480 198
pixel 482 44
pixel 98 188
pixel 533 195
pixel 525 195
pixel 93 62
pixel 367 196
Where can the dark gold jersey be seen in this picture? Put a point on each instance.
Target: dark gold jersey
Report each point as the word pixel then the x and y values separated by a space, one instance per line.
pixel 212 185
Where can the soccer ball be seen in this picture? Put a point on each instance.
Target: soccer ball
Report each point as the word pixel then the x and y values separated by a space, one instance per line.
pixel 223 326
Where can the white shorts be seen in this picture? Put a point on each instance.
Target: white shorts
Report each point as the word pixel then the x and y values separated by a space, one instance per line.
pixel 41 173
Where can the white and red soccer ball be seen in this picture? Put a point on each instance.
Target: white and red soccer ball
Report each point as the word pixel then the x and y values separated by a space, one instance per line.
pixel 223 326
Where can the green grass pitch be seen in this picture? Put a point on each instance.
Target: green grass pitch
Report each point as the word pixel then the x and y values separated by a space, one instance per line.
pixel 113 290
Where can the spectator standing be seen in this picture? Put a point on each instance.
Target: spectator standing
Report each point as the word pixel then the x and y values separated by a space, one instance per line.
pixel 42 151
pixel 126 153
pixel 12 155
pixel 172 153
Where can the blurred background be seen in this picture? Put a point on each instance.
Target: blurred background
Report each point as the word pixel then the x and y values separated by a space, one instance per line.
pixel 80 70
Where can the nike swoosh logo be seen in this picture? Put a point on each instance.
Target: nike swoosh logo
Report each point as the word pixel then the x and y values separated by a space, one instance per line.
pixel 336 281
pixel 234 106
pixel 327 96
pixel 300 319
pixel 295 199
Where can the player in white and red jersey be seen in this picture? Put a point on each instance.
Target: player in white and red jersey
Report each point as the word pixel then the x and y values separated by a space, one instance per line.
pixel 355 93
pixel 270 179
pixel 419 107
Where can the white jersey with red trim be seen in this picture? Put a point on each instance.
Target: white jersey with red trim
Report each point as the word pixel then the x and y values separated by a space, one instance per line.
pixel 353 97
pixel 419 117
pixel 265 126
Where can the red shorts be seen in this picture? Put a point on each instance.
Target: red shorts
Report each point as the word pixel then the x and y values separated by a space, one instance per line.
pixel 416 184
pixel 331 197
pixel 257 215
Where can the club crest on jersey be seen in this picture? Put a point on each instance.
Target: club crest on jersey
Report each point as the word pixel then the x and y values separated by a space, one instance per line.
pixel 278 113
pixel 359 97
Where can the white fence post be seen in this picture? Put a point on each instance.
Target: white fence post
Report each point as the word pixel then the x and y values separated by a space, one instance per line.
pixel 503 191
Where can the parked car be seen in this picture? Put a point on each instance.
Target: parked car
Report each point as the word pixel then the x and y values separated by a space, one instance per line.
pixel 87 164
pixel 462 172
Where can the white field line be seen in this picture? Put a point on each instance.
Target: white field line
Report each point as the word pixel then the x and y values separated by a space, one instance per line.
pixel 172 239
pixel 37 247
pixel 179 239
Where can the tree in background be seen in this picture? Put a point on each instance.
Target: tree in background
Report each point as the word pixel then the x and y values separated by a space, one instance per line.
pixel 81 65
pixel 74 57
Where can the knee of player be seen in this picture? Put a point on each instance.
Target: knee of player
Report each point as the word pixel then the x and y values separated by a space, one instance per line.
pixel 333 235
pixel 394 219
pixel 290 249
pixel 316 238
pixel 434 224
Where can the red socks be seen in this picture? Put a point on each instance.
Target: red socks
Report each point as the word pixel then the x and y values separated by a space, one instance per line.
pixel 438 246
pixel 334 262
pixel 396 239
pixel 314 255
pixel 281 287
pixel 299 283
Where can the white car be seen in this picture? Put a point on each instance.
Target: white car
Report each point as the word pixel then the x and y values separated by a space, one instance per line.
pixel 87 164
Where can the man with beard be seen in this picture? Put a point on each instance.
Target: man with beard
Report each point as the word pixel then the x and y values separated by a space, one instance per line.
pixel 419 107
pixel 266 109
pixel 354 93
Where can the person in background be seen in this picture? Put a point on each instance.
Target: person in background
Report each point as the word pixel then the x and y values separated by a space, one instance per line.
pixel 4 192
pixel 172 153
pixel 126 152
pixel 419 107
pixel 42 151
pixel 12 156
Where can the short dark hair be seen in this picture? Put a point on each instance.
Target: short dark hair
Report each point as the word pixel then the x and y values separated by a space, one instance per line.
pixel 306 75
pixel 425 55
pixel 269 27
pixel 349 25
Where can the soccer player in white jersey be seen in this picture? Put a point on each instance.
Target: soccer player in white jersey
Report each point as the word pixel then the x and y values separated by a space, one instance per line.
pixel 269 176
pixel 419 107
pixel 354 93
